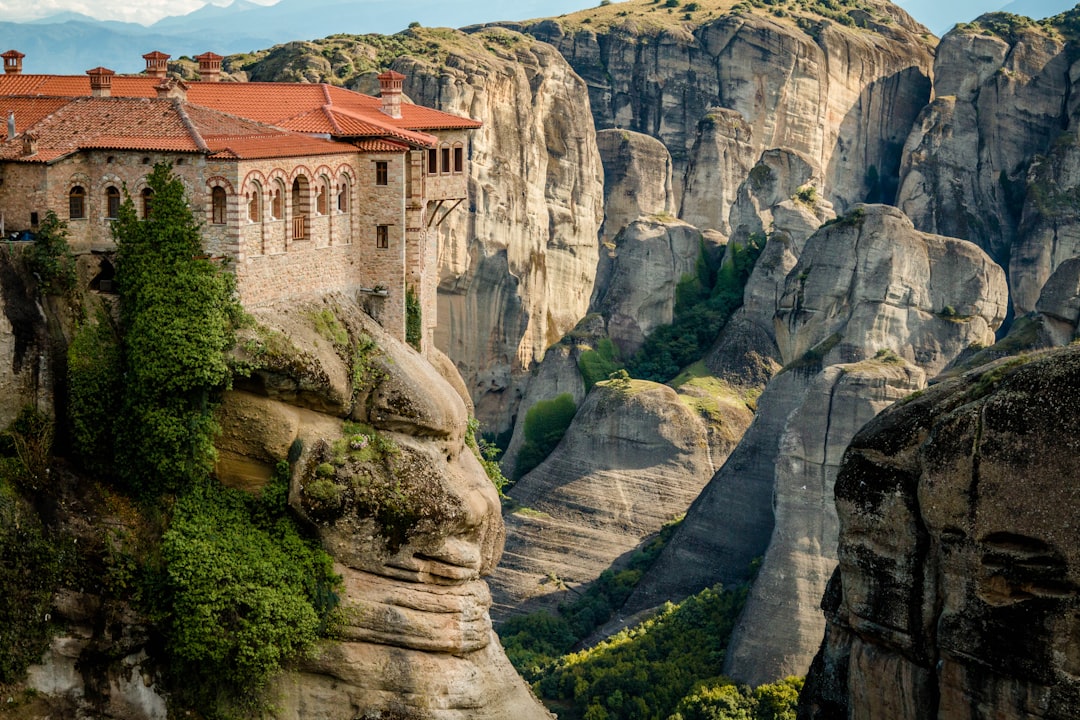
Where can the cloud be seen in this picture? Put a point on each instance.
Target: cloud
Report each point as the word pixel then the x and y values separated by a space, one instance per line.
pixel 145 12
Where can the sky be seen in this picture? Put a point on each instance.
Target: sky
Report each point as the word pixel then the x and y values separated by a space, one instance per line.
pixel 937 14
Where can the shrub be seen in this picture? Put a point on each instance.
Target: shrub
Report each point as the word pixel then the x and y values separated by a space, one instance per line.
pixel 545 424
pixel 94 390
pixel 413 319
pixel 597 364
pixel 248 592
pixel 50 258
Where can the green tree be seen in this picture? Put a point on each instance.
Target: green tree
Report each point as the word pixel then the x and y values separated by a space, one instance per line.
pixel 50 258
pixel 177 313
pixel 545 424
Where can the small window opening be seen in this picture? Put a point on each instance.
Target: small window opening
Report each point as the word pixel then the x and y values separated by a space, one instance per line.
pixel 382 236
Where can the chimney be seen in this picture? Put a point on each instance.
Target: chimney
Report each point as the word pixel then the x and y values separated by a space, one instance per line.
pixel 172 88
pixel 390 91
pixel 29 144
pixel 12 62
pixel 100 81
pixel 11 125
pixel 157 64
pixel 209 66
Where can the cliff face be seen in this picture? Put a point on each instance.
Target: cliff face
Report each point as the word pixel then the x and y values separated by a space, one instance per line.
pixel 957 590
pixel 635 456
pixel 398 500
pixel 844 97
pixel 516 269
pixel 991 160
pixel 836 336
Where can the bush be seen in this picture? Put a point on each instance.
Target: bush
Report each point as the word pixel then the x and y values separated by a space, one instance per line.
pixel 597 364
pixel 413 319
pixel 50 258
pixel 94 390
pixel 247 591
pixel 545 424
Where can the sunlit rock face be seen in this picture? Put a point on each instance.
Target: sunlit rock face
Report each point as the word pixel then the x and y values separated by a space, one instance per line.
pixel 398 500
pixel 958 589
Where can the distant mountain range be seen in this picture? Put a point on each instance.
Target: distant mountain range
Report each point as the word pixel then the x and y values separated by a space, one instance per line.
pixel 72 43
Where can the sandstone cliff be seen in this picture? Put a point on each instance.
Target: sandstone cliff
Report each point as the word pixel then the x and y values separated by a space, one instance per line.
pixel 635 456
pixel 397 498
pixel 727 83
pixel 956 593
pixel 892 279
pixel 991 159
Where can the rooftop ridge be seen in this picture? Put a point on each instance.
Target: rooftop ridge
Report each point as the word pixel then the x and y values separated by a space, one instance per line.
pixel 190 125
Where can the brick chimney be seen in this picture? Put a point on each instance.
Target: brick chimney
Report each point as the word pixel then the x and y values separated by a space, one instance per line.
pixel 172 88
pixel 12 62
pixel 390 91
pixel 209 66
pixel 157 63
pixel 100 81
pixel 29 144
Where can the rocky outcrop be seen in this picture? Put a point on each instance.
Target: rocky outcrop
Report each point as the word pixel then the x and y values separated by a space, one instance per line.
pixel 516 269
pixel 634 458
pixel 992 158
pixel 921 296
pixel 842 365
pixel 381 474
pixel 844 96
pixel 637 179
pixel 404 508
pixel 719 162
pixel 646 263
pixel 958 589
pixel 25 357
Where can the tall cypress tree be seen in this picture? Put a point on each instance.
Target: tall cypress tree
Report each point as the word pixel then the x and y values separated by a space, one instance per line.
pixel 176 321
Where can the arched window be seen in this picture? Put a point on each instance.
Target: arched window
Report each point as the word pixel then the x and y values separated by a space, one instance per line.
pixel 112 202
pixel 343 196
pixel 445 160
pixel 147 196
pixel 217 206
pixel 432 161
pixel 277 201
pixel 459 158
pixel 254 208
pixel 77 202
pixel 321 199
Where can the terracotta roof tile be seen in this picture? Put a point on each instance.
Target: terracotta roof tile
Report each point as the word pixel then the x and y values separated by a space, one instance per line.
pixel 379 146
pixel 273 146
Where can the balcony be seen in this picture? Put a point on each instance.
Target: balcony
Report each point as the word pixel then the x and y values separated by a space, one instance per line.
pixel 300 227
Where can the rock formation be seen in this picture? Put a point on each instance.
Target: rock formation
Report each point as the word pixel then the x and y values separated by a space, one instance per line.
pixel 517 268
pixel 844 96
pixel 637 179
pixel 25 372
pixel 635 456
pixel 399 501
pixel 957 590
pixel 841 367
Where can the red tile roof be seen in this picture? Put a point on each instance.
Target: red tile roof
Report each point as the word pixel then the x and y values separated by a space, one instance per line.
pixel 150 125
pixel 267 102
pixel 379 146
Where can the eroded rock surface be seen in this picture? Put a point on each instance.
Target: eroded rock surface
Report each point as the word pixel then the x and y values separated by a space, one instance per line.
pixel 958 589
pixel 398 500
pixel 635 456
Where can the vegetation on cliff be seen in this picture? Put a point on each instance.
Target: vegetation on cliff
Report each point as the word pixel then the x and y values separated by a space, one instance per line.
pixel 226 582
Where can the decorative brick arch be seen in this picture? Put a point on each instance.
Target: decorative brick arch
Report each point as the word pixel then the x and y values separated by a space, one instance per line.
pixel 301 170
pixel 255 176
pixel 81 179
pixel 107 180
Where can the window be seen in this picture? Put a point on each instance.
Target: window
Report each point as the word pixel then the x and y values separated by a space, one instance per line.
pixel 320 198
pixel 77 202
pixel 381 174
pixel 147 196
pixel 446 160
pixel 217 206
pixel 33 219
pixel 112 202
pixel 277 206
pixel 343 196
pixel 432 161
pixel 254 206
pixel 382 236
pixel 459 158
